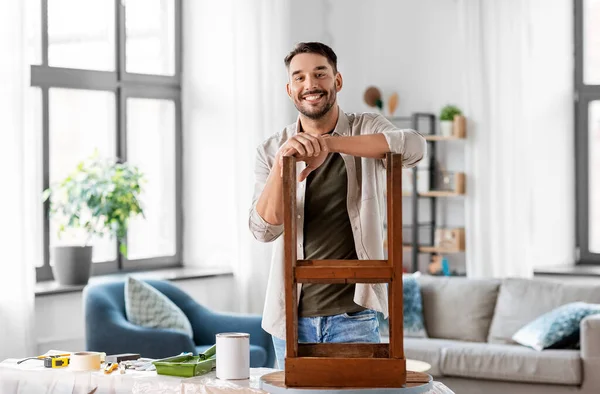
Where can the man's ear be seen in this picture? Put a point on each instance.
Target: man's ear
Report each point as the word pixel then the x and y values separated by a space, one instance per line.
pixel 339 82
pixel 288 90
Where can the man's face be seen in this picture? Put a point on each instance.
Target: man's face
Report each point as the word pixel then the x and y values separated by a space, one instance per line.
pixel 312 85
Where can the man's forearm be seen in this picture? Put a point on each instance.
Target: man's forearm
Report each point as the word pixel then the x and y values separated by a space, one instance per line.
pixel 270 203
pixel 373 145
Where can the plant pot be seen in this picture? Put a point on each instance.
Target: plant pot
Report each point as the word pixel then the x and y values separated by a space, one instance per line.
pixel 72 264
pixel 446 128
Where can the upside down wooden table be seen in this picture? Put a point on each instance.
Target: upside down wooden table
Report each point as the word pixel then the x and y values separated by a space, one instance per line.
pixel 346 365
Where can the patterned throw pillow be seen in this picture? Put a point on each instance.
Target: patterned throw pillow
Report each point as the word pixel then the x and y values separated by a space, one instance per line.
pixel 557 329
pixel 148 307
pixel 414 325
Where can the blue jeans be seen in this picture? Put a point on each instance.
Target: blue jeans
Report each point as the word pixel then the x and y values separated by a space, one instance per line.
pixel 357 327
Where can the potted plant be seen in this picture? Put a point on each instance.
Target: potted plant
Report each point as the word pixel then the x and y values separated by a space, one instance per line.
pixel 97 199
pixel 447 115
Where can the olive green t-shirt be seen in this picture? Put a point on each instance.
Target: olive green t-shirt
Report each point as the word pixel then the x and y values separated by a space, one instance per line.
pixel 327 235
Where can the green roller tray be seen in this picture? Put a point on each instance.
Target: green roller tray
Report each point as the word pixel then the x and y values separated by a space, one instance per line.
pixel 187 366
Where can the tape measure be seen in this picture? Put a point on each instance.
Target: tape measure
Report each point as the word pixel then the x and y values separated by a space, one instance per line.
pixel 56 361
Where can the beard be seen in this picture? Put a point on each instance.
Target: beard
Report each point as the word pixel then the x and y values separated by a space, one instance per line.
pixel 316 112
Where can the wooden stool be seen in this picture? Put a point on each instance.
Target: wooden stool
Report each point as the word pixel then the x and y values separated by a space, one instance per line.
pixel 345 365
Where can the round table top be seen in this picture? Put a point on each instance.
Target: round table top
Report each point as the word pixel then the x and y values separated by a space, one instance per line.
pixel 416 383
pixel 417 366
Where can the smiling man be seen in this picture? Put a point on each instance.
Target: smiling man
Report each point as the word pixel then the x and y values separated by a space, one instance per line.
pixel 340 201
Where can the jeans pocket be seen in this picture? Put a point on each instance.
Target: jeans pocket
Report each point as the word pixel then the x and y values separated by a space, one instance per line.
pixel 366 315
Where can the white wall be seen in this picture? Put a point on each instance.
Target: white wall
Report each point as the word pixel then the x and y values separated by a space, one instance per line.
pixel 398 46
pixel 60 322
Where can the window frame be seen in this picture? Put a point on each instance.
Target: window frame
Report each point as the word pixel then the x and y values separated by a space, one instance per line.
pixel 124 85
pixel 583 95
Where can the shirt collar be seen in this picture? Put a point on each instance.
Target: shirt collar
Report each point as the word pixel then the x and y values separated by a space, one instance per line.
pixel 342 128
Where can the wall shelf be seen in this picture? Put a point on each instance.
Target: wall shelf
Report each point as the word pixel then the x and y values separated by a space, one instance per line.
pixel 442 138
pixel 427 122
pixel 435 249
pixel 431 249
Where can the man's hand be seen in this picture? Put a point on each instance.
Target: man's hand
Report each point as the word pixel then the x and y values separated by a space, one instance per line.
pixel 312 163
pixel 305 147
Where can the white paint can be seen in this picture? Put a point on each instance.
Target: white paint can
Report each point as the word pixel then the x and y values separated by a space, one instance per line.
pixel 233 355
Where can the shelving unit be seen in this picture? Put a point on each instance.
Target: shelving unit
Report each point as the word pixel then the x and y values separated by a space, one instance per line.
pixel 414 247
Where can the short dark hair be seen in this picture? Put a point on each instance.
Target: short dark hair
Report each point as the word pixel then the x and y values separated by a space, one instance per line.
pixel 313 47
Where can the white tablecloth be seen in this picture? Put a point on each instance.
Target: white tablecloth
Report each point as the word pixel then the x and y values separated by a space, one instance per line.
pixel 32 378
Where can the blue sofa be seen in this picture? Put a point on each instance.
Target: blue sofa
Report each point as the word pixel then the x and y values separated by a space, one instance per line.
pixel 108 330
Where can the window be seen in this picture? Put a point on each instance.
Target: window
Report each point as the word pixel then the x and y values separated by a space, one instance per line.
pixel 587 125
pixel 108 78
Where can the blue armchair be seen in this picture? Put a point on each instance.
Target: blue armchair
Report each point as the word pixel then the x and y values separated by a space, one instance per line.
pixel 108 330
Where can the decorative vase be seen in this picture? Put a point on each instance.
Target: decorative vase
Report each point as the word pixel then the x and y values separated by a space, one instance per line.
pixel 460 126
pixel 446 128
pixel 72 264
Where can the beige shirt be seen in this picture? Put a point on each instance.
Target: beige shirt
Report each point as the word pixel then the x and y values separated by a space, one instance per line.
pixel 365 203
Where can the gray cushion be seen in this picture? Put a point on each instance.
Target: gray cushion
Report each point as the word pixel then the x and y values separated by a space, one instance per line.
pixel 458 308
pixel 148 307
pixel 523 300
pixel 428 350
pixel 512 363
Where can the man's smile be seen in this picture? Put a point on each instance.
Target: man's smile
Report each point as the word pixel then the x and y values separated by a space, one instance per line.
pixel 313 98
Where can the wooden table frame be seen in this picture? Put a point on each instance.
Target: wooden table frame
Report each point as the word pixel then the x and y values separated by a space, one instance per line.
pixel 357 365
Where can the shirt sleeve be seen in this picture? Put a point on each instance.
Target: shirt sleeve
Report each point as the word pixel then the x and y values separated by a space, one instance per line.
pixel 410 143
pixel 259 227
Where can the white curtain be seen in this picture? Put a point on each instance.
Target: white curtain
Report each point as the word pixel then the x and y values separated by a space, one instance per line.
pixel 517 80
pixel 262 108
pixel 19 199
pixel 233 99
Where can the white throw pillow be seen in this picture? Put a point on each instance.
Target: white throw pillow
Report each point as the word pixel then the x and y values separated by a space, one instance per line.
pixel 145 306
